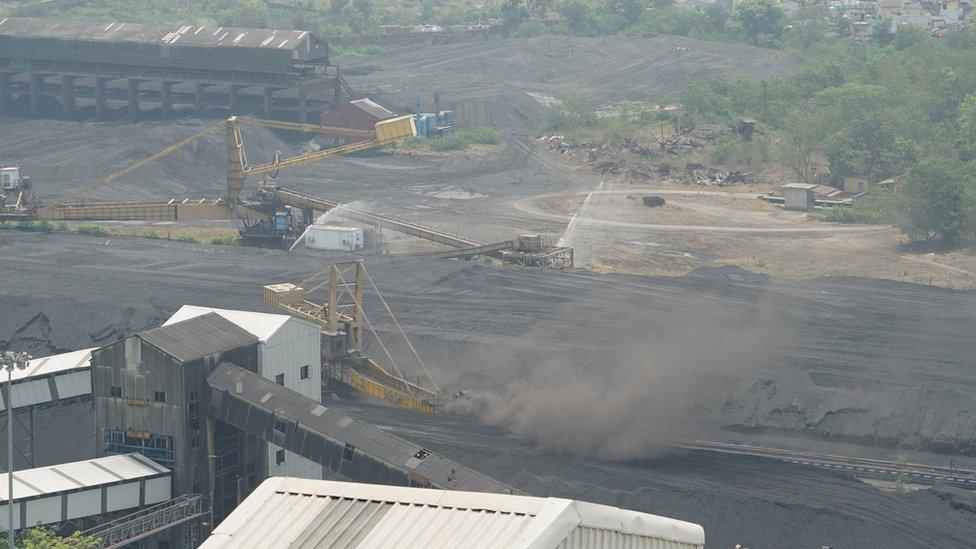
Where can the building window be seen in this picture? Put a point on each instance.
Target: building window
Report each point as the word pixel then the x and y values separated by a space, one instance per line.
pixel 348 452
pixel 280 379
pixel 279 457
pixel 159 396
pixel 195 440
pixel 303 373
pixel 116 391
pixel 280 426
pixel 194 396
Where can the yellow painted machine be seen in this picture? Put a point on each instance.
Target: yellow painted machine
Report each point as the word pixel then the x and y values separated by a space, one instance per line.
pixel 344 321
pixel 228 206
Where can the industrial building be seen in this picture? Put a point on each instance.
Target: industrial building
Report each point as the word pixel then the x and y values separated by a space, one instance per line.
pixel 149 399
pixel 222 399
pixel 286 512
pixel 361 114
pixel 288 354
pixel 102 65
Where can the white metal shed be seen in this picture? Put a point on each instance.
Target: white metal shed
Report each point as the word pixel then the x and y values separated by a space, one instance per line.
pixel 49 379
pixel 297 513
pixel 53 494
pixel 289 353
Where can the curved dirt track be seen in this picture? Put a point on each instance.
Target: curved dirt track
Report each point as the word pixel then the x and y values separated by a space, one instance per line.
pixel 528 205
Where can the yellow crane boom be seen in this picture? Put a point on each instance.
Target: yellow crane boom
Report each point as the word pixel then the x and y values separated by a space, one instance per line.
pixel 384 132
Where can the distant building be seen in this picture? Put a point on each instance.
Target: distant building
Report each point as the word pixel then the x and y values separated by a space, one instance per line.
pixel 799 196
pixel 296 513
pixel 361 114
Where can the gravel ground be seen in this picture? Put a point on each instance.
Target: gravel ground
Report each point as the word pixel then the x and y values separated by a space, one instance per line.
pixel 516 77
pixel 860 363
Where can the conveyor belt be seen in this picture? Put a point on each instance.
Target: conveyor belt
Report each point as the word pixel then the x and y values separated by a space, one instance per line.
pixel 293 198
pixel 326 436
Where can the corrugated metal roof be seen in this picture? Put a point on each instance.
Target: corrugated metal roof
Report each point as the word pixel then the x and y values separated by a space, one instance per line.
pixel 373 109
pixel 42 481
pixel 198 337
pixel 184 35
pixel 54 363
pixel 262 325
pixel 340 429
pixel 290 512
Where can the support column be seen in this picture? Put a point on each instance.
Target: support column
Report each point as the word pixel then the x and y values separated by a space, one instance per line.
pixel 234 99
pixel 267 101
pixel 198 97
pixel 4 92
pixel 36 82
pixel 302 105
pixel 166 98
pixel 133 98
pixel 101 103
pixel 67 95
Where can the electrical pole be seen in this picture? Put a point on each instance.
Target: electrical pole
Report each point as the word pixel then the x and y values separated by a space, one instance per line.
pixel 11 360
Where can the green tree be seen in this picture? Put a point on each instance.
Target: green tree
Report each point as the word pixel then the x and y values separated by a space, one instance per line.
pixel 514 13
pixel 966 125
pixel 844 27
pixel 758 20
pixel 246 13
pixel 881 32
pixel 933 202
pixel 46 538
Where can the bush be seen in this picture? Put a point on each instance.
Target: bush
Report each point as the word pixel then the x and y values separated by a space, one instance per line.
pixel 92 229
pixel 847 214
pixel 570 114
pixel 36 225
pixel 186 238
pixel 456 141
pixel 729 150
pixel 453 142
pixel 62 227
pixel 223 240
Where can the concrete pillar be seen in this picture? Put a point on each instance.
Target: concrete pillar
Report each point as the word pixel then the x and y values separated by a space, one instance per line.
pixel 4 92
pixel 198 97
pixel 67 95
pixel 34 90
pixel 101 103
pixel 302 105
pixel 267 101
pixel 133 98
pixel 166 98
pixel 234 99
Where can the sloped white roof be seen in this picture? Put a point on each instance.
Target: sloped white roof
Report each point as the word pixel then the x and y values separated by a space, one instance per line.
pixel 262 325
pixel 294 513
pixel 43 481
pixel 54 363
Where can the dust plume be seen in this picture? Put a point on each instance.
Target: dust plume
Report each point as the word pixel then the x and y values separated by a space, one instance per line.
pixel 629 394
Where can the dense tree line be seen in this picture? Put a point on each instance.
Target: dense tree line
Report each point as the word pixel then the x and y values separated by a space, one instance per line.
pixel 888 108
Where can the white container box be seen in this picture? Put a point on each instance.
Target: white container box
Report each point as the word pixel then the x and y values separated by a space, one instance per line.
pixel 331 237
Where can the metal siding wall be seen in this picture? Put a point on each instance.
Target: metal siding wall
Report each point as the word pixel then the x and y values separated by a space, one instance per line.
pixel 84 504
pixel 73 384
pixel 30 392
pixel 44 511
pixel 294 345
pixel 123 496
pixel 158 490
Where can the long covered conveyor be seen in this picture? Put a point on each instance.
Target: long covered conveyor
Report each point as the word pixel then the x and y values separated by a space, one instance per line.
pixel 352 448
